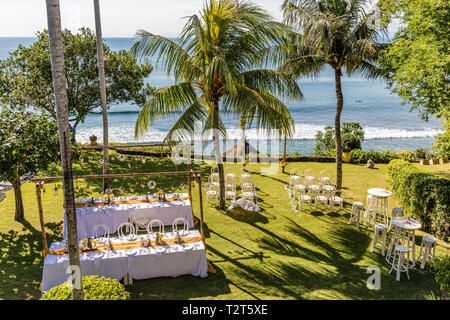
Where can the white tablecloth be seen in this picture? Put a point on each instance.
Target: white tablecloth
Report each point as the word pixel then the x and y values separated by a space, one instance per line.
pixel 140 263
pixel 114 215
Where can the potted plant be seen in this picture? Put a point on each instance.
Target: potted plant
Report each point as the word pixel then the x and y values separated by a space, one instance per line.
pixel 349 143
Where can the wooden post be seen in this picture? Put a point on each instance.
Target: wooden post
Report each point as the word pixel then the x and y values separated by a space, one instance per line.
pixel 199 181
pixel 41 218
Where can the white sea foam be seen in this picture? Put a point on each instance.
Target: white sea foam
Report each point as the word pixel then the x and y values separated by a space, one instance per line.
pixel 125 133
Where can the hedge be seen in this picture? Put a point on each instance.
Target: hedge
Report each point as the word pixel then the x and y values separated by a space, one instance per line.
pixel 382 156
pixel 94 287
pixel 423 195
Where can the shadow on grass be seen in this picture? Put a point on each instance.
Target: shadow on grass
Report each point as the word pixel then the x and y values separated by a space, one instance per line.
pixel 21 261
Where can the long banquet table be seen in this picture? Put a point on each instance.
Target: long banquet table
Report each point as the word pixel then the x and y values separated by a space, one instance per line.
pixel 139 263
pixel 113 215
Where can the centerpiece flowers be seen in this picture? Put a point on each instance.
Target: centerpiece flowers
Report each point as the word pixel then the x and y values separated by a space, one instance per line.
pixel 161 196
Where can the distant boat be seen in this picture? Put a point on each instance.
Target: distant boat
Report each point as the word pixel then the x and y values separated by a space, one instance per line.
pixel 358 101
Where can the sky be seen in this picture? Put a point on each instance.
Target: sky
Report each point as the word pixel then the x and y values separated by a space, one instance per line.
pixel 120 18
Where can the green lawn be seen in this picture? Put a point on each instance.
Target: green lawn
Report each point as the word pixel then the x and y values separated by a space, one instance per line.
pixel 274 254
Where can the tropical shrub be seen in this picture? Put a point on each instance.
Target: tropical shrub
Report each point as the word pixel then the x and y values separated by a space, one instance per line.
pixel 442 276
pixel 94 287
pixel 352 135
pixel 423 195
pixel 441 144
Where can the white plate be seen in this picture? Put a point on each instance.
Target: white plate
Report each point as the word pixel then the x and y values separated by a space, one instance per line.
pixel 99 254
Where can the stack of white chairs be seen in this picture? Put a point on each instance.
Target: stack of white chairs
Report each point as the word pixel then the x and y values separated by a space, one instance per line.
pixel 140 219
pixel 337 199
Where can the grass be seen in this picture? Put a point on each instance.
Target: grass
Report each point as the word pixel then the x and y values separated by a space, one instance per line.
pixel 273 254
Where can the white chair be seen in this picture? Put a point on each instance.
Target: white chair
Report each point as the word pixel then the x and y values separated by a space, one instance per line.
pixel 400 264
pixel 324 177
pixel 129 228
pixel 150 226
pixel 140 219
pixel 244 177
pixel 310 176
pixel 321 198
pixel 95 229
pixel 212 191
pixel 299 187
pixel 379 229
pixel 329 187
pixel 295 177
pixel 337 199
pixel 230 180
pixel 229 173
pixel 214 174
pixel 429 250
pixel 230 192
pixel 213 181
pixel 249 192
pixel 304 198
pixel 179 221
pixel 357 212
pixel 368 213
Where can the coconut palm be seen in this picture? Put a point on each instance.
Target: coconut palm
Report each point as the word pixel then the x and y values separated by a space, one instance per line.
pixel 59 82
pixel 340 33
pixel 218 69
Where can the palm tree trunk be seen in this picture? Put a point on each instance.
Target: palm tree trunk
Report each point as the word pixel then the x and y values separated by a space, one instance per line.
pixel 337 128
pixel 219 160
pixel 101 73
pixel 19 216
pixel 59 84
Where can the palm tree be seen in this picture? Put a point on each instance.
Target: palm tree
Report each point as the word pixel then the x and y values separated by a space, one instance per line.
pixel 101 73
pixel 338 33
pixel 59 83
pixel 218 68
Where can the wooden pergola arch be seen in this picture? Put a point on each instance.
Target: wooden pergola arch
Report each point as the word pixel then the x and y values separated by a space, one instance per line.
pixel 197 175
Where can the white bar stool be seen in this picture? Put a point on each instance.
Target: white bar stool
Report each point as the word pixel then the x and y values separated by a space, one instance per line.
pixel 400 264
pixel 396 212
pixel 368 210
pixel 429 249
pixel 357 210
pixel 379 228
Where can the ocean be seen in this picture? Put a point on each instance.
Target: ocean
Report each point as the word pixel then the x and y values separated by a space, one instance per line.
pixel 387 123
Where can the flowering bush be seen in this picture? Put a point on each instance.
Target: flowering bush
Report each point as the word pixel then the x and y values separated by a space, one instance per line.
pixel 94 287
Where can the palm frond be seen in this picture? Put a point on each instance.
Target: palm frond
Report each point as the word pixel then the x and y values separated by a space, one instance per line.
pixel 165 102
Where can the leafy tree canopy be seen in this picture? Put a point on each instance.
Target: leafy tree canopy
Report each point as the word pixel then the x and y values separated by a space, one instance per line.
pixel 417 63
pixel 29 142
pixel 352 136
pixel 26 76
